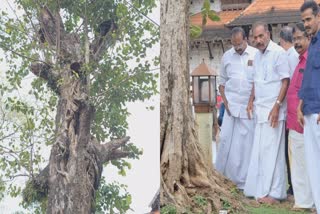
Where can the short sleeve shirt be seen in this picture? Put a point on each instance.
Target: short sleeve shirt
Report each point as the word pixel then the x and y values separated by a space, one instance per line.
pixel 236 75
pixel 270 68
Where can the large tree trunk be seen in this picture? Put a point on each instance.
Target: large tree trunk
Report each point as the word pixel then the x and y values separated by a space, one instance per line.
pixel 75 167
pixel 74 171
pixel 184 173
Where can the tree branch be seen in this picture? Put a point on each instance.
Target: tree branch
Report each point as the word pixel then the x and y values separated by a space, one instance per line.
pixel 21 55
pixel 51 26
pixel 45 71
pixel 12 177
pixel 58 31
pixel 2 138
pixel 105 152
pixel 118 154
pixel 112 150
pixel 103 40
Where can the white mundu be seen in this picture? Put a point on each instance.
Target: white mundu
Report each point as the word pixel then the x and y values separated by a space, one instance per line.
pixel 266 173
pixel 312 149
pixel 299 175
pixel 237 130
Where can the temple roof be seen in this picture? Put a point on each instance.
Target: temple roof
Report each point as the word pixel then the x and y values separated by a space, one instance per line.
pixel 269 11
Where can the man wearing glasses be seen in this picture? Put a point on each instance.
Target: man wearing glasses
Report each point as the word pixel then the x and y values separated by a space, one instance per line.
pixel 300 180
pixel 236 137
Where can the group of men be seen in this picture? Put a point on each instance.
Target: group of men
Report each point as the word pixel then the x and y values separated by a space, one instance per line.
pixel 267 89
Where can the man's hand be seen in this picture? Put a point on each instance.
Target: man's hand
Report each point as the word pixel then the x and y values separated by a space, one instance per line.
pixel 318 119
pixel 224 98
pixel 300 117
pixel 274 116
pixel 226 105
pixel 250 109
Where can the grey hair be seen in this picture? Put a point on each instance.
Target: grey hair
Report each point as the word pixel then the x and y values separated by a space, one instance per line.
pixel 260 23
pixel 237 30
pixel 286 34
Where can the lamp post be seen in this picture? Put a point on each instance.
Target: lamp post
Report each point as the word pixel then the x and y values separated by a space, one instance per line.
pixel 204 100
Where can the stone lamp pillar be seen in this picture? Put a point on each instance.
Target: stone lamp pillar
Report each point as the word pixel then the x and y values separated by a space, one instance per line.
pixel 204 99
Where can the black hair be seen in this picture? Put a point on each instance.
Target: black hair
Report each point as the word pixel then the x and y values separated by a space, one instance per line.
pixel 310 5
pixel 300 26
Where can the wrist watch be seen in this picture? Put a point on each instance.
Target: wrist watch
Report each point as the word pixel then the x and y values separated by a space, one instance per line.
pixel 279 103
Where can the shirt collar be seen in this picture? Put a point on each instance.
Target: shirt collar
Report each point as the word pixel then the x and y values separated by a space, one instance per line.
pixel 315 38
pixel 291 50
pixel 245 51
pixel 269 47
pixel 304 55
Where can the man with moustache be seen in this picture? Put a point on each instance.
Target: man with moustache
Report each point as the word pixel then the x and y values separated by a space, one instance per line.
pixel 309 105
pixel 300 180
pixel 266 179
pixel 236 137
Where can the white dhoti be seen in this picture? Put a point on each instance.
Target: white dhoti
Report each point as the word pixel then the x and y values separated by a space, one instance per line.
pixel 236 139
pixel 299 175
pixel 266 173
pixel 312 150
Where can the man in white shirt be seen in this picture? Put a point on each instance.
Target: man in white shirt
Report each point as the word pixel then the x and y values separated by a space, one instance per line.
pixel 286 42
pixel 266 179
pixel 236 137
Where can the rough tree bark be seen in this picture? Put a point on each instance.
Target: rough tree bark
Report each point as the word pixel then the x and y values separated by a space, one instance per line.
pixel 74 171
pixel 183 170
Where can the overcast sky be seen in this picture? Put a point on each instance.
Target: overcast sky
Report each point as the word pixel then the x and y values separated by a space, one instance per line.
pixel 143 179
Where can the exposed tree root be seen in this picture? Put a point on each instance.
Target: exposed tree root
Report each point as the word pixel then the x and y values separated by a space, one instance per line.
pixel 195 180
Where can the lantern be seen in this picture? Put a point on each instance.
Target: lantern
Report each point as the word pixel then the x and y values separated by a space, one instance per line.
pixel 203 88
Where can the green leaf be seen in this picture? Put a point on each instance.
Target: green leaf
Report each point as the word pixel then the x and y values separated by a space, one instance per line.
pixel 206 5
pixel 8 30
pixel 30 124
pixel 213 16
pixel 112 198
pixel 195 31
